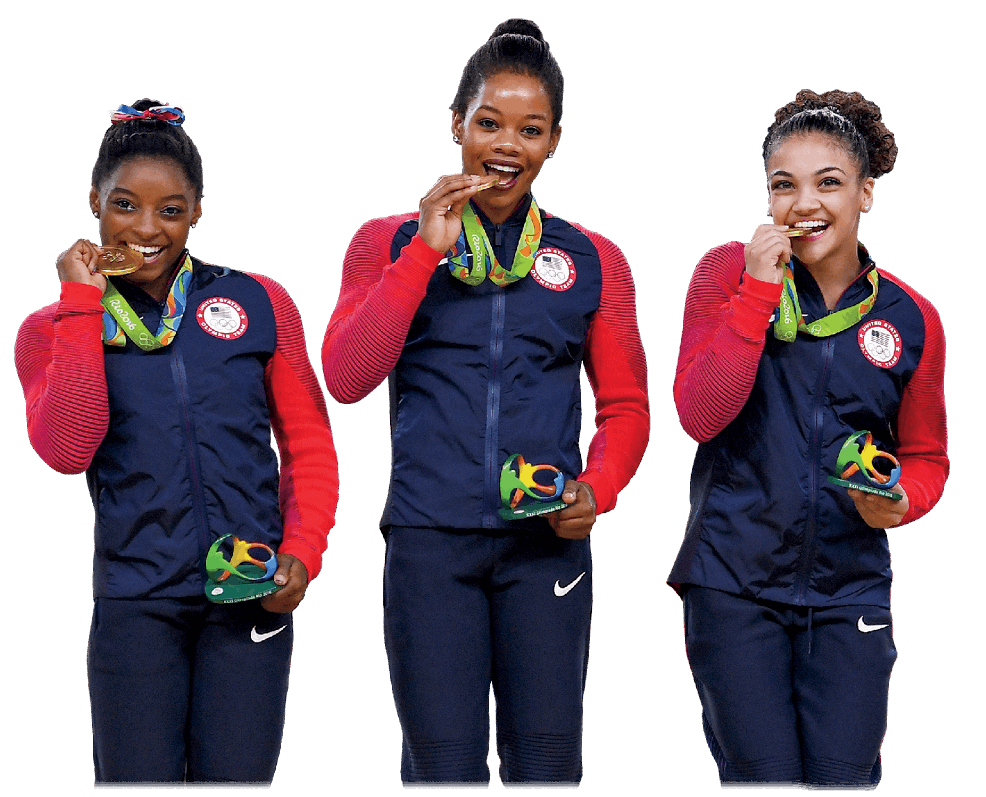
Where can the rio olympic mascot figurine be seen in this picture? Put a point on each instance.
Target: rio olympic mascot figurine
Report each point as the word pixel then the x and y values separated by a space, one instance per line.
pixel 880 469
pixel 522 496
pixel 241 577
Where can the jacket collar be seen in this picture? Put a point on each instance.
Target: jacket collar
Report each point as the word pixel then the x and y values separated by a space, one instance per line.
pixel 517 216
pixel 810 295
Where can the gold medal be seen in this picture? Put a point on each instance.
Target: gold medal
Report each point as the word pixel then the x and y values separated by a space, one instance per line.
pixel 116 260
pixel 799 232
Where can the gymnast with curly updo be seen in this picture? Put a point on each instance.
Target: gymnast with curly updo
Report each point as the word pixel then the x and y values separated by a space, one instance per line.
pixel 795 345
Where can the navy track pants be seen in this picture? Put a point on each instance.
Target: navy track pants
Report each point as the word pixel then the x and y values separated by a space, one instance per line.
pixel 186 690
pixel 467 609
pixel 790 694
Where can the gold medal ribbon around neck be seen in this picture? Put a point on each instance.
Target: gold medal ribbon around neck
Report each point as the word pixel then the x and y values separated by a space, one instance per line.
pixel 121 322
pixel 473 239
pixel 790 320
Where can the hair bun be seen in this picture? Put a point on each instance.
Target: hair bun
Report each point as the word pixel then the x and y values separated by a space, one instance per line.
pixel 516 47
pixel 146 103
pixel 518 27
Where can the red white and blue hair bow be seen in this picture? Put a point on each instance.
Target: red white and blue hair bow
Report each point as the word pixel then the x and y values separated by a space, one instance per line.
pixel 163 113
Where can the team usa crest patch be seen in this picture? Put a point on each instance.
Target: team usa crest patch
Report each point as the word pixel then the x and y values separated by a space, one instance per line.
pixel 553 269
pixel 222 318
pixel 880 343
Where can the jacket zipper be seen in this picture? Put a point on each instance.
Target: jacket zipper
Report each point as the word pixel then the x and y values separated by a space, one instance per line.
pixel 814 470
pixel 493 388
pixel 198 500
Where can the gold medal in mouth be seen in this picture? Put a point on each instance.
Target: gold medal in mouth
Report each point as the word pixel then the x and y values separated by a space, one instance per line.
pixel 802 231
pixel 488 184
pixel 117 260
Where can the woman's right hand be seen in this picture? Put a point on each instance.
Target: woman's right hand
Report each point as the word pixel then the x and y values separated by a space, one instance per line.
pixel 768 253
pixel 78 264
pixel 440 221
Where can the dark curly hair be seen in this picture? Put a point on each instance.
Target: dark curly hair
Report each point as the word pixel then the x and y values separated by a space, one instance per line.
pixel 151 139
pixel 516 45
pixel 847 116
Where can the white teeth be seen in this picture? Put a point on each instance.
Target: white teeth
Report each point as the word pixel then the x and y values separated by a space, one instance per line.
pixel 145 250
pixel 497 167
pixel 811 224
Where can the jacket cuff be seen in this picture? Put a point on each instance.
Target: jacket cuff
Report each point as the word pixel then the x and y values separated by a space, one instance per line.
pixel 81 296
pixel 753 306
pixel 421 253
pixel 601 489
pixel 309 558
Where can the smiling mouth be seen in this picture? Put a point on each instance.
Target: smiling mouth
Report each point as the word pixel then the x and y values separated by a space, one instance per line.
pixel 507 175
pixel 807 229
pixel 149 252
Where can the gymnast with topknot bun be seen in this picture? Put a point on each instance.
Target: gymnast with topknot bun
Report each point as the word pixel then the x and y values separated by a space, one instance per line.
pixel 481 309
pixel 161 377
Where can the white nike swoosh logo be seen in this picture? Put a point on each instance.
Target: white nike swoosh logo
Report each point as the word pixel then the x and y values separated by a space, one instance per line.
pixel 862 626
pixel 261 637
pixel 561 591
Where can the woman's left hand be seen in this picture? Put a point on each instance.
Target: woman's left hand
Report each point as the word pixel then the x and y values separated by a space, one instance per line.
pixel 293 576
pixel 879 512
pixel 574 522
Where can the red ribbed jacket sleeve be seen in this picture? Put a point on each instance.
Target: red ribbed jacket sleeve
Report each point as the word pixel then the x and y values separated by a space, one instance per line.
pixel 922 435
pixel 377 303
pixel 59 359
pixel 309 486
pixel 722 338
pixel 617 371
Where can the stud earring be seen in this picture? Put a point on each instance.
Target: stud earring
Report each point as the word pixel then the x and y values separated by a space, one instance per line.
pixel 95 214
pixel 551 153
pixel 456 139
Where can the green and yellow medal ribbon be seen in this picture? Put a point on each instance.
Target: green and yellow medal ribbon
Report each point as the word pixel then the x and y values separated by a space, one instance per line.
pixel 790 321
pixel 473 239
pixel 121 322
